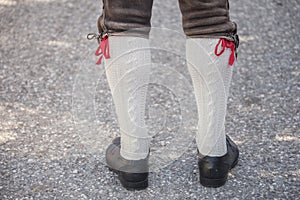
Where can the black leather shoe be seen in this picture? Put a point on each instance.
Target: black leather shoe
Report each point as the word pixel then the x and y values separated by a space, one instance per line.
pixel 133 174
pixel 214 170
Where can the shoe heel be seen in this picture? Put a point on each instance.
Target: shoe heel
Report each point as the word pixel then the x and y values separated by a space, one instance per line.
pixel 133 185
pixel 130 184
pixel 207 182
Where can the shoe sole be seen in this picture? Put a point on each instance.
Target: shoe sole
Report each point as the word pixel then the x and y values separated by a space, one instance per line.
pixel 130 185
pixel 215 183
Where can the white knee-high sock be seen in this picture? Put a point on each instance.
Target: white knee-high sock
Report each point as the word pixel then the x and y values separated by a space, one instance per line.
pixel 128 71
pixel 211 77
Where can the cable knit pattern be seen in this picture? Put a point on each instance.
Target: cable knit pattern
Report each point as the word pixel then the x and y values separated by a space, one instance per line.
pixel 211 78
pixel 128 72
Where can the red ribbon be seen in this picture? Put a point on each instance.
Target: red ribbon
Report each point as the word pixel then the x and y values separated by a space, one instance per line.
pixel 102 50
pixel 226 44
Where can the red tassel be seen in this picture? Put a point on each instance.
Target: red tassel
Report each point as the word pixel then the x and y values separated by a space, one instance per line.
pixel 102 50
pixel 226 44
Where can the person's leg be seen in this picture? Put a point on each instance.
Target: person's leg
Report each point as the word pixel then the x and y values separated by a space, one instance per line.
pixel 125 16
pixel 210 49
pixel 127 24
pixel 127 72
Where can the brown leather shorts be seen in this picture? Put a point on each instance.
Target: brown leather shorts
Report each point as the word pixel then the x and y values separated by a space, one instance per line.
pixel 200 18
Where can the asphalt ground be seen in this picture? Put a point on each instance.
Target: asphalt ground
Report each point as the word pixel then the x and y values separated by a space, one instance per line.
pixel 48 137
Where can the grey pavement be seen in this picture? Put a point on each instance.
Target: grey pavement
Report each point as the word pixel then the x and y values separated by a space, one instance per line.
pixel 49 151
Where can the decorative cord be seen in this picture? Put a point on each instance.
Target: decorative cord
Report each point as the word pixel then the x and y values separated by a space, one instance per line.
pixel 103 49
pixel 226 44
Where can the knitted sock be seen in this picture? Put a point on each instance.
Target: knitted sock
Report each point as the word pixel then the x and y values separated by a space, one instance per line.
pixel 211 77
pixel 128 72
